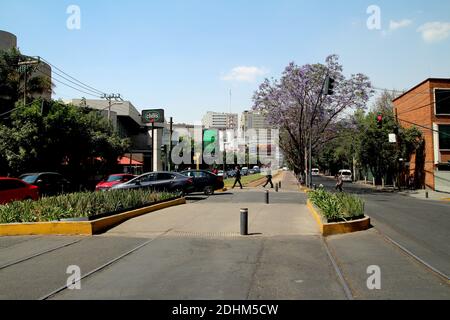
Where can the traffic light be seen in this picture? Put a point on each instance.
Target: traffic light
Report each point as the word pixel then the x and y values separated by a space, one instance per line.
pixel 329 86
pixel 380 121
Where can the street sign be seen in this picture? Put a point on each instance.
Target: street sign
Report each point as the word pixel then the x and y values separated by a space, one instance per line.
pixel 153 116
pixel 392 138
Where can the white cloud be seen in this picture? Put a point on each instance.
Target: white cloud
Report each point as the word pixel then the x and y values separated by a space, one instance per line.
pixel 435 31
pixel 244 73
pixel 394 25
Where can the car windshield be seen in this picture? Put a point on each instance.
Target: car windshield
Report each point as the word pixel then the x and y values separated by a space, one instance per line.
pixel 114 178
pixel 29 178
pixel 346 173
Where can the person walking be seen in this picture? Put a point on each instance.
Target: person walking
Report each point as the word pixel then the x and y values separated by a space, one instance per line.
pixel 339 183
pixel 237 177
pixel 269 178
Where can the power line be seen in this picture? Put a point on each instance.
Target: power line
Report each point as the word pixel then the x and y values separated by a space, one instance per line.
pixel 68 85
pixel 82 83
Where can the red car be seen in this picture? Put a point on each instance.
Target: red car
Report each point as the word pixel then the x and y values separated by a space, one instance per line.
pixel 16 190
pixel 112 180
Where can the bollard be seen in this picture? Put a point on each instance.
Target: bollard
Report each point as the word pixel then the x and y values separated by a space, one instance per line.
pixel 276 187
pixel 244 222
pixel 279 185
pixel 267 196
pixel 426 194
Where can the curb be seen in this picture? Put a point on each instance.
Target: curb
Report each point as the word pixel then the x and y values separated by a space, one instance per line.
pixel 86 228
pixel 328 229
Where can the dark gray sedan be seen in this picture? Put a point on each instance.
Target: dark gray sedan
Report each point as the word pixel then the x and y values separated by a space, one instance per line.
pixel 160 181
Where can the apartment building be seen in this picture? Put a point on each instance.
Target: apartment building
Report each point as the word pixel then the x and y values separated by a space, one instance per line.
pixel 220 120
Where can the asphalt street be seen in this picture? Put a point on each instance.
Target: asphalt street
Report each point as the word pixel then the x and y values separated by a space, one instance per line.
pixel 194 251
pixel 420 226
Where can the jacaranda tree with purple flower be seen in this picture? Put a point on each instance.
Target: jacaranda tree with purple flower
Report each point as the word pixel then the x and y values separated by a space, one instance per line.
pixel 295 104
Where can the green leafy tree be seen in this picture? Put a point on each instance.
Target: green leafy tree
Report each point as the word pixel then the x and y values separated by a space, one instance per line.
pixel 375 151
pixel 59 137
pixel 12 80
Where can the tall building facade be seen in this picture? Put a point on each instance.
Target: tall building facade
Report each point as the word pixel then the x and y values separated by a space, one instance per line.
pixel 220 120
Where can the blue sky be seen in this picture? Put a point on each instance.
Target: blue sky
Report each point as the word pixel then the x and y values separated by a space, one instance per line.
pixel 185 56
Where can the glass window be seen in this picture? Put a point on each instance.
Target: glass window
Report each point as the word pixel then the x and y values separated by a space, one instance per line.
pixel 29 178
pixel 442 98
pixel 444 137
pixel 165 176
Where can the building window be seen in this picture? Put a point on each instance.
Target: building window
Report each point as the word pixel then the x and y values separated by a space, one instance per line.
pixel 442 98
pixel 444 137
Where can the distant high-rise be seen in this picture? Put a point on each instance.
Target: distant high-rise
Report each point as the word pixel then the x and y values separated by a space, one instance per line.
pixel 220 120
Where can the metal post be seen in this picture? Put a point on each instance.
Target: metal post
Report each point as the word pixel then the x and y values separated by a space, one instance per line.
pixel 276 187
pixel 382 183
pixel 267 196
pixel 244 222
pixel 169 161
pixel 426 195
pixel 279 185
pixel 373 181
pixel 153 146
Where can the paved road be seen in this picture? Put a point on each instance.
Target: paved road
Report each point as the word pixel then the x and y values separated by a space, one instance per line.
pixel 421 226
pixel 194 251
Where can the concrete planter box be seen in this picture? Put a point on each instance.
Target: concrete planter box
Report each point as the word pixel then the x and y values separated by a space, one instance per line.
pixel 328 229
pixel 82 227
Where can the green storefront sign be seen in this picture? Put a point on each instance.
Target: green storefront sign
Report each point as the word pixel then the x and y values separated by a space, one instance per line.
pixel 153 116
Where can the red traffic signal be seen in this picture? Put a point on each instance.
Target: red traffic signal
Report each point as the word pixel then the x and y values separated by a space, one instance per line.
pixel 380 121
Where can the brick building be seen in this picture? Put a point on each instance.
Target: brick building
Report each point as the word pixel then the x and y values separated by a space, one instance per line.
pixel 428 105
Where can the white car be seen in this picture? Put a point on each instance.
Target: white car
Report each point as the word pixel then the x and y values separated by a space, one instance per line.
pixel 315 172
pixel 346 175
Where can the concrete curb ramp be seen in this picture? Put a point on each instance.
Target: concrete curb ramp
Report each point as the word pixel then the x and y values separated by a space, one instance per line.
pixel 328 229
pixel 87 228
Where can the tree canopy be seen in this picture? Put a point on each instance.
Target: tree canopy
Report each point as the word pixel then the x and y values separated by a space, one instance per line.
pixel 296 105
pixel 53 136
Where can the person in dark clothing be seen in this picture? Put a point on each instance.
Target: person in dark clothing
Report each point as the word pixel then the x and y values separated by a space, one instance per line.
pixel 339 183
pixel 269 178
pixel 237 178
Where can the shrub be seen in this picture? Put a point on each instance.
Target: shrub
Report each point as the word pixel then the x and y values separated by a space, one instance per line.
pixel 76 205
pixel 337 207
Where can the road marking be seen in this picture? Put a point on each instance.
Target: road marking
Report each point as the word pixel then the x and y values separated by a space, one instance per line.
pixel 38 254
pixel 347 291
pixel 412 255
pixel 107 264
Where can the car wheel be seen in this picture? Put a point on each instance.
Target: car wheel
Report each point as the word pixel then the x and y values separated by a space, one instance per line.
pixel 180 192
pixel 209 191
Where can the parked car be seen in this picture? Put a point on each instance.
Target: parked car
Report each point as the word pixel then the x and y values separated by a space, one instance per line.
pixel 251 171
pixel 346 175
pixel 205 181
pixel 285 169
pixel 113 180
pixel 244 171
pixel 49 183
pixel 160 181
pixel 16 190
pixel 231 173
pixel 257 169
pixel 315 172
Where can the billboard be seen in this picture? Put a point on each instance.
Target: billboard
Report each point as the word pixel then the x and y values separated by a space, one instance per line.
pixel 153 116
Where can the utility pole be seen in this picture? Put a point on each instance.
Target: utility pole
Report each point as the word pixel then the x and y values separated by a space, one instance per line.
pixel 109 97
pixel 24 65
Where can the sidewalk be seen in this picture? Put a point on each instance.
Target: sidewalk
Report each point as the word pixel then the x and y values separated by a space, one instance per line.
pixel 418 194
